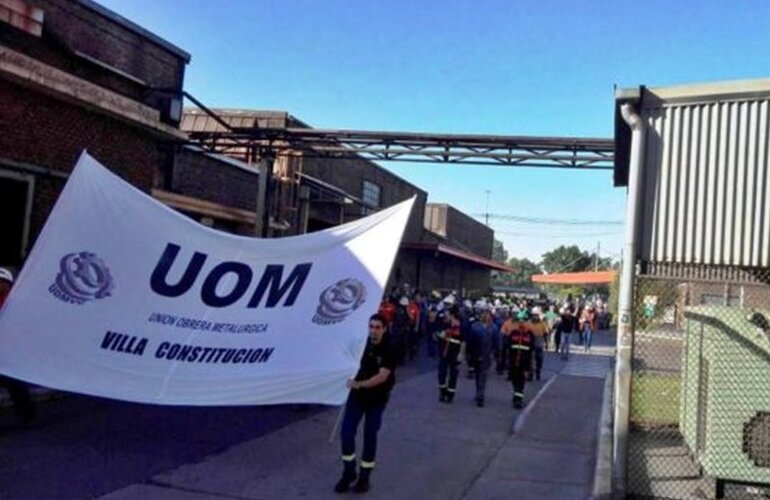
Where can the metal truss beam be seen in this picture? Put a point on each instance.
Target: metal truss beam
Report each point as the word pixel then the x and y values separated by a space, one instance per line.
pixel 512 151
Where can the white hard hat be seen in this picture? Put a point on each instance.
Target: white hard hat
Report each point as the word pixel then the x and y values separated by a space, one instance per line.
pixel 449 299
pixel 481 305
pixel 467 304
pixel 6 275
pixel 404 301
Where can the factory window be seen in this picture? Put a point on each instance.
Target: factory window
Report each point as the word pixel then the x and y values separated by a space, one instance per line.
pixel 372 194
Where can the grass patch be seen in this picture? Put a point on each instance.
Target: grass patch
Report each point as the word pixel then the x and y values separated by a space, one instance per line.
pixel 655 399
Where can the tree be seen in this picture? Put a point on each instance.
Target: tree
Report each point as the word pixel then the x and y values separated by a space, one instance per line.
pixel 566 259
pixel 524 269
pixel 499 253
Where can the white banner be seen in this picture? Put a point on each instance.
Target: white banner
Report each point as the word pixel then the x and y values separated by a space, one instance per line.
pixel 125 298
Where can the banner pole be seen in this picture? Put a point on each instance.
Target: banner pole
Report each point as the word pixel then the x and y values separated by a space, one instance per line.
pixel 336 424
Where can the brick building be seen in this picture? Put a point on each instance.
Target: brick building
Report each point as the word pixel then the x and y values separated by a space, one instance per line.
pixel 76 76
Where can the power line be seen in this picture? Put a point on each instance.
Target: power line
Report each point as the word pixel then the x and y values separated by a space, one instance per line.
pixel 549 221
pixel 545 235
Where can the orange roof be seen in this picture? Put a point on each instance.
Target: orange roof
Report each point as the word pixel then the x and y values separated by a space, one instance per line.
pixel 585 278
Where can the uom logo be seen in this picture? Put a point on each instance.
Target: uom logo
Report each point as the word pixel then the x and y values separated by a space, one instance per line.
pixel 83 276
pixel 338 301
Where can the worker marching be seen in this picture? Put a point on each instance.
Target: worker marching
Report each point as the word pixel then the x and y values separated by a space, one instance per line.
pixel 512 338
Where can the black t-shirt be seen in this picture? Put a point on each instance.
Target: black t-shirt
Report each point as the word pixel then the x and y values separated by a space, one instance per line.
pixel 567 324
pixel 376 357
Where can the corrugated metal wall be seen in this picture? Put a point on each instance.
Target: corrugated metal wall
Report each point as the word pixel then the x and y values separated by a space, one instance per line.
pixel 706 182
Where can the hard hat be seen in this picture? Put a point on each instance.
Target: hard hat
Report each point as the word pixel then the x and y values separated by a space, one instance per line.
pixel 467 304
pixel 449 299
pixel 481 305
pixel 6 275
pixel 404 301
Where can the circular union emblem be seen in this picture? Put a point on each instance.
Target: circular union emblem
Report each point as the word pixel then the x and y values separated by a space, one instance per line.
pixel 83 276
pixel 338 301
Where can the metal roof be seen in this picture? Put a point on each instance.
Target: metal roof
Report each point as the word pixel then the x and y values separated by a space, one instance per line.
pixel 197 120
pixel 584 278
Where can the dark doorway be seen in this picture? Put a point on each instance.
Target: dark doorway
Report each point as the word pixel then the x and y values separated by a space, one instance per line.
pixel 14 193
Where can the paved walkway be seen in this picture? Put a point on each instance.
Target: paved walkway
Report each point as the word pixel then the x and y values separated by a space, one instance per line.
pixel 427 449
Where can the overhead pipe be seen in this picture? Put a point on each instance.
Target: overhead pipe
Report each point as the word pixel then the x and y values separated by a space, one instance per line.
pixel 625 336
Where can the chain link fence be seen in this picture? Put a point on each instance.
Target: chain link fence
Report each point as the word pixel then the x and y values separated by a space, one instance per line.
pixel 700 394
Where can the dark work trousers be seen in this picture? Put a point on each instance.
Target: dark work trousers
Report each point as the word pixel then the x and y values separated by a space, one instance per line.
pixel 539 356
pixel 372 415
pixel 557 339
pixel 481 370
pixel 430 339
pixel 22 401
pixel 447 372
pixel 414 341
pixel 518 379
pixel 503 354
pixel 398 344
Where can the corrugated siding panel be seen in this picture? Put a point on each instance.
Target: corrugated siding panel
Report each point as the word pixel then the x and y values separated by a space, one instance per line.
pixel 706 184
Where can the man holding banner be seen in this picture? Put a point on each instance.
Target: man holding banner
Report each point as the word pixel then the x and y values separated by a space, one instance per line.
pixel 369 392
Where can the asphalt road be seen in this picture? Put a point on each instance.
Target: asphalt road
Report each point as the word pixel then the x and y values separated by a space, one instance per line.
pixel 84 447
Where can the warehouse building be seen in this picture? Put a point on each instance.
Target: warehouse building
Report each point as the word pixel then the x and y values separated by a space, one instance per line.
pixel 442 248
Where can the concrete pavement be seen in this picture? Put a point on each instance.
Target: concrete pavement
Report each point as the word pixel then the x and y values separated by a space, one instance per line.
pixel 427 449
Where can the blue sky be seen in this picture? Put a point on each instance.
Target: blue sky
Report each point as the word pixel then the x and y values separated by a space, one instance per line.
pixel 528 67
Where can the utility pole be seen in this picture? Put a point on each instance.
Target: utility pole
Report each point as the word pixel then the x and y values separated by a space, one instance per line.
pixel 486 212
pixel 596 260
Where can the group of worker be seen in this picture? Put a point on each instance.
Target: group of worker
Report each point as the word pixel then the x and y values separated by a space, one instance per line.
pixel 511 337
pixel 483 335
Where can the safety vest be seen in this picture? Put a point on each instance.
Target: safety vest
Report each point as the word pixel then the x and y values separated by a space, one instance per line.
pixel 452 337
pixel 521 348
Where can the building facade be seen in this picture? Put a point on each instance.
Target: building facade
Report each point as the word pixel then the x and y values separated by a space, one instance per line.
pixel 75 76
